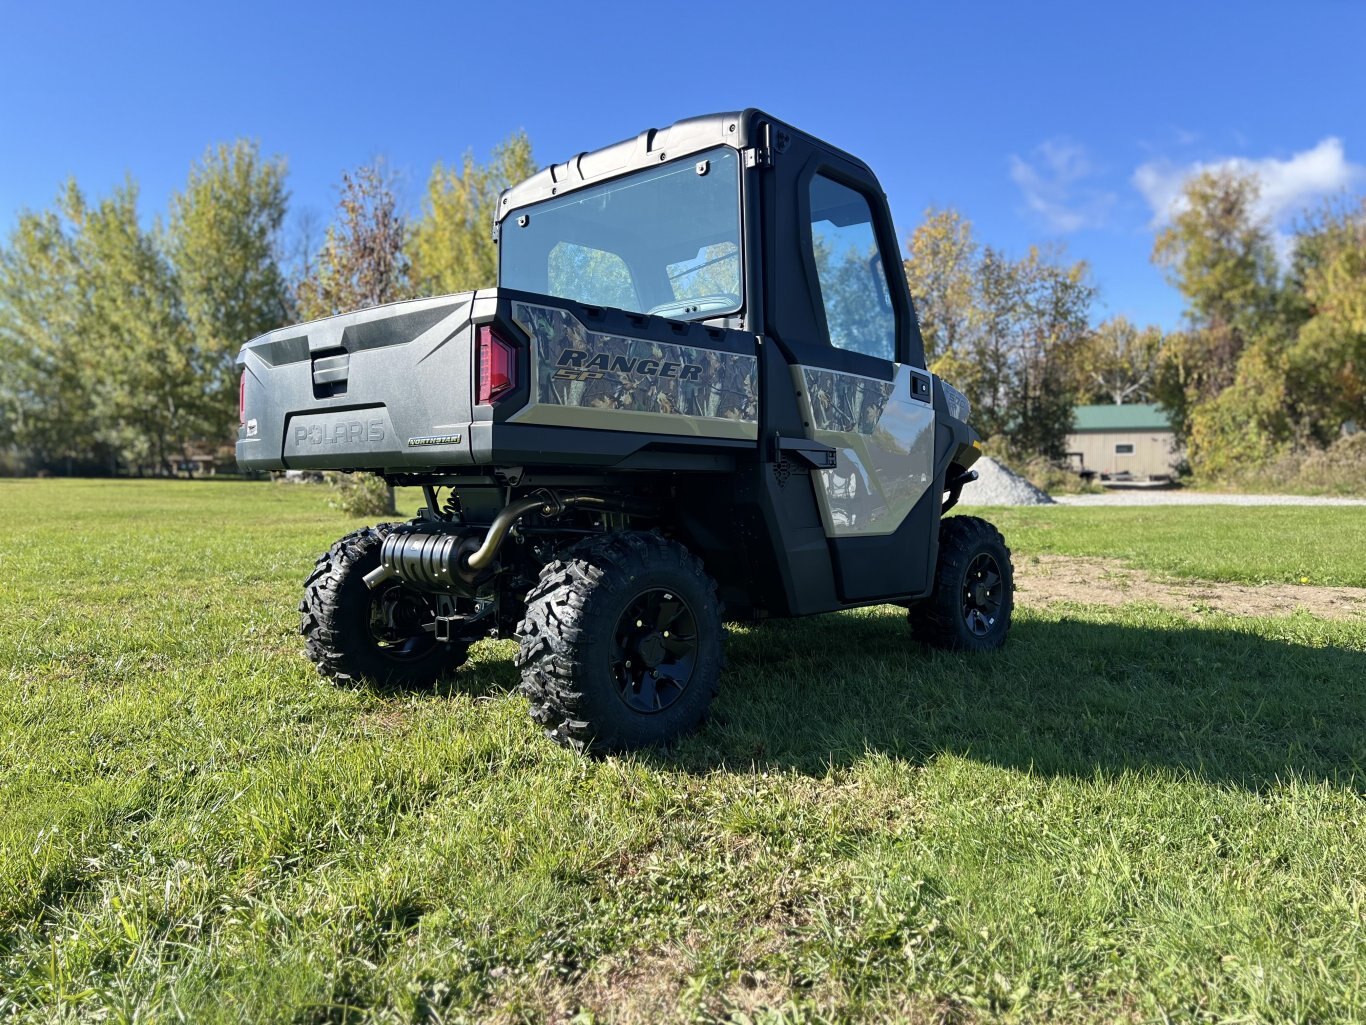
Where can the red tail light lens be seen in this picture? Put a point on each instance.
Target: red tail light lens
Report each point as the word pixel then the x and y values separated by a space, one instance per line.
pixel 242 399
pixel 497 367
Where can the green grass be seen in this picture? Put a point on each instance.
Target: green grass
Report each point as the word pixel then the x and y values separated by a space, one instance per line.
pixel 1125 815
pixel 1256 544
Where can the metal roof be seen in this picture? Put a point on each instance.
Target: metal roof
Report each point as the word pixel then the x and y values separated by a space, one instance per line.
pixel 1136 416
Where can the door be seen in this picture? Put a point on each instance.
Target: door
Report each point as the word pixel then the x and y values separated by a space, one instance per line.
pixel 859 394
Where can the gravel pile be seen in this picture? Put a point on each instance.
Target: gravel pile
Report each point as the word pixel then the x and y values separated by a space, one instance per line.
pixel 995 485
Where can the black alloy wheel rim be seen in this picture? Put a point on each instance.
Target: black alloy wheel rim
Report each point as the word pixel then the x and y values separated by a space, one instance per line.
pixel 398 618
pixel 654 651
pixel 983 593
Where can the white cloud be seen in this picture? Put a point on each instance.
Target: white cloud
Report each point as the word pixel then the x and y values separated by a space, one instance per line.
pixel 1287 186
pixel 1054 184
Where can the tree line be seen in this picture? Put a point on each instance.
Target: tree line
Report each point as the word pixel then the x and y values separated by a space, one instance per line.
pixel 118 338
pixel 1270 362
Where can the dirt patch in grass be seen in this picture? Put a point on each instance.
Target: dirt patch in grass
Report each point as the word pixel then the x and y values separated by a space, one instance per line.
pixel 1046 579
pixel 666 985
pixel 386 719
pixel 645 988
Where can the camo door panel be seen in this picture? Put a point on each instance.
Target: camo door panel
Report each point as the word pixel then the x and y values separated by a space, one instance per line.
pixel 584 378
pixel 885 443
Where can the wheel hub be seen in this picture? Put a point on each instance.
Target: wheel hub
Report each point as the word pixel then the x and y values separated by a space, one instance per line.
pixel 651 649
pixel 982 594
pixel 655 651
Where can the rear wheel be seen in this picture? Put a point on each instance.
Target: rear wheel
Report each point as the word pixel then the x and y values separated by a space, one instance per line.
pixel 352 632
pixel 974 585
pixel 621 644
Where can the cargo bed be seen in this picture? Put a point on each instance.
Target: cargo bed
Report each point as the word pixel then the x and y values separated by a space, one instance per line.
pixel 396 388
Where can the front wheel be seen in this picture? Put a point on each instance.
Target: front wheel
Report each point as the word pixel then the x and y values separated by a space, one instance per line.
pixel 621 644
pixel 385 636
pixel 974 589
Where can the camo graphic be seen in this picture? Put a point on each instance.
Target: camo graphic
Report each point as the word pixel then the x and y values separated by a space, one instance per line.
pixel 578 367
pixel 845 402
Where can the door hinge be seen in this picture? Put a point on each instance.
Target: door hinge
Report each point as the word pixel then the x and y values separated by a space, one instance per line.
pixel 761 155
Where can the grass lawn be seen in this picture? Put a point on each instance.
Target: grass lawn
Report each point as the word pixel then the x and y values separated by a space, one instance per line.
pixel 1255 545
pixel 1128 814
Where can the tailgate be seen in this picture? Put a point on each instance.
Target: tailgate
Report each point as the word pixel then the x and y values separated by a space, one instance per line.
pixel 382 388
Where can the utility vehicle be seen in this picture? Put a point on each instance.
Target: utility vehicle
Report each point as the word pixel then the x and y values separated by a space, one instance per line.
pixel 699 385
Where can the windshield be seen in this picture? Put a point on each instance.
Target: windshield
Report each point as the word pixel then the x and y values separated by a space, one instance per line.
pixel 664 240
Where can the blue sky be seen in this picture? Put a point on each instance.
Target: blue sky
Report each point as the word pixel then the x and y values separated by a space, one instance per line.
pixel 1042 122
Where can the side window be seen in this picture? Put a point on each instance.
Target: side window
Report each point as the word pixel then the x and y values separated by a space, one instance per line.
pixel 853 282
pixel 591 276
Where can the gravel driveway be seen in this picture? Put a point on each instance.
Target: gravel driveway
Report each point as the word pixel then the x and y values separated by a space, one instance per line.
pixel 1118 498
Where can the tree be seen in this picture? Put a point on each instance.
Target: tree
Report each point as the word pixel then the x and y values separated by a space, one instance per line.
pixel 1272 364
pixel 120 340
pixel 136 342
pixel 223 241
pixel 1053 323
pixel 1181 377
pixel 362 262
pixel 45 398
pixel 451 244
pixel 1118 363
pixel 1218 253
pixel 1326 361
pixel 940 273
pixel 1008 333
pixel 1245 425
pixel 984 363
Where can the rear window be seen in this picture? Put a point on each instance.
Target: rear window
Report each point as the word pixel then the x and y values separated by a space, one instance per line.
pixel 663 240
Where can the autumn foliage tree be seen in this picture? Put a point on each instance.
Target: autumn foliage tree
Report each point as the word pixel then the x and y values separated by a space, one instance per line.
pixel 1008 332
pixel 451 243
pixel 362 261
pixel 1271 363
pixel 1117 363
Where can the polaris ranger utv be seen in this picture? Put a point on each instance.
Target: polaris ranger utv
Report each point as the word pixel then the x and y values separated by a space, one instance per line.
pixel 699 381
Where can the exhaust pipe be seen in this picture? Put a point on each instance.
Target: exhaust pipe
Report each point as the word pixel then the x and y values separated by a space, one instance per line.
pixel 430 559
pixel 483 557
pixel 550 505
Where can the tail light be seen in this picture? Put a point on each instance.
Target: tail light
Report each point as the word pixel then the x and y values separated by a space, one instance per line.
pixel 242 399
pixel 497 367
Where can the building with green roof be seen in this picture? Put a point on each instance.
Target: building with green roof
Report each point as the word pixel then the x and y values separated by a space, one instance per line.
pixel 1133 441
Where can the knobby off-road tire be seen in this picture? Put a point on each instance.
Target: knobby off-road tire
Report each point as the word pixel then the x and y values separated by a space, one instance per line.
pixel 974 589
pixel 621 647
pixel 338 613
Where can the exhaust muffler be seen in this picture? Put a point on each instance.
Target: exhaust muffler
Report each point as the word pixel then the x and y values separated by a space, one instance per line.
pixel 431 556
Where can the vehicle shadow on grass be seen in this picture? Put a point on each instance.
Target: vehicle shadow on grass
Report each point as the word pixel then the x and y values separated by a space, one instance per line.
pixel 1065 697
